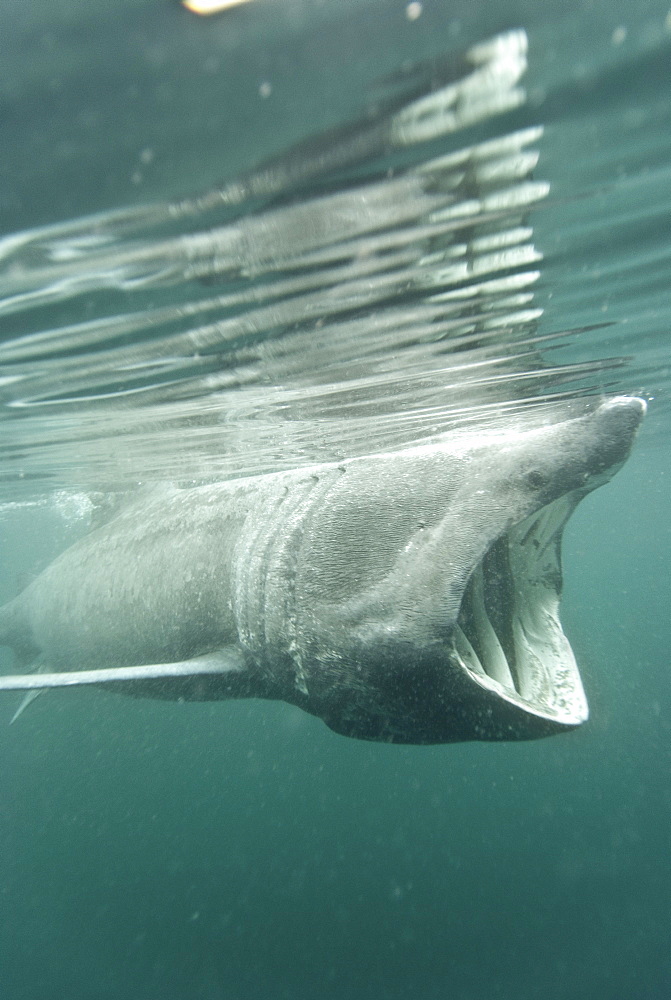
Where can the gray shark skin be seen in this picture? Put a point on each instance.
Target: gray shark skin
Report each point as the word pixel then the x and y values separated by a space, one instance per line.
pixel 408 597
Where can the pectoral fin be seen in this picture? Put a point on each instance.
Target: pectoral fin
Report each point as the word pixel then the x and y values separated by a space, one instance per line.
pixel 28 699
pixel 225 661
pixel 35 692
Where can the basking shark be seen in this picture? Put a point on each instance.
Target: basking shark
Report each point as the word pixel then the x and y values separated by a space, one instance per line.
pixel 405 597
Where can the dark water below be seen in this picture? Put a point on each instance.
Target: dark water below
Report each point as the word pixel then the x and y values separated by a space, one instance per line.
pixel 242 850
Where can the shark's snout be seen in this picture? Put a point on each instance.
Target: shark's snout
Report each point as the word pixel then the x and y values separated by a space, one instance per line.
pixel 616 422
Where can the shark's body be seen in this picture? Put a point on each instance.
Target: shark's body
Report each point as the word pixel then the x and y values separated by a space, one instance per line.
pixel 408 597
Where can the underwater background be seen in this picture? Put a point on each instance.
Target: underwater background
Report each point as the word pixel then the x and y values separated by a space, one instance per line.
pixel 241 850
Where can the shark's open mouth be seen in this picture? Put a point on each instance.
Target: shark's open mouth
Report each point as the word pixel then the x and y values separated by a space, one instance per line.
pixel 508 637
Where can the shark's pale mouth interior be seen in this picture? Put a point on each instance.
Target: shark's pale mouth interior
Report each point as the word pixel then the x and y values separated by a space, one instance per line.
pixel 509 637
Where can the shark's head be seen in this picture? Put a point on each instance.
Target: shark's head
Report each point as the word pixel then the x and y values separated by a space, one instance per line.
pixel 431 581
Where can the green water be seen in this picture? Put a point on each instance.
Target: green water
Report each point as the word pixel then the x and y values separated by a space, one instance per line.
pixel 238 851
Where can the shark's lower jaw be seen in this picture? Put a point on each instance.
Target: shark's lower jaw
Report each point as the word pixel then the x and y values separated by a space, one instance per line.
pixel 508 637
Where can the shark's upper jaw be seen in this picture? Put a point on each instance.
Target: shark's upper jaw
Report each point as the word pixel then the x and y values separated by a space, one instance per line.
pixel 508 638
